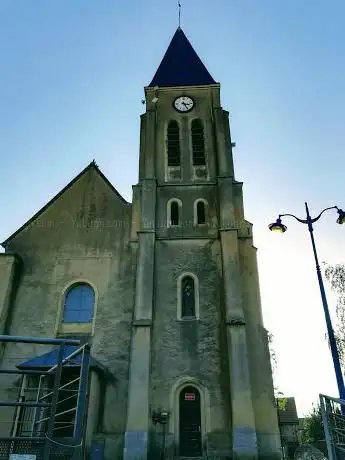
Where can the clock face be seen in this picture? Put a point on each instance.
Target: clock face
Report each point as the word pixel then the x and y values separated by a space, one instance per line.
pixel 183 104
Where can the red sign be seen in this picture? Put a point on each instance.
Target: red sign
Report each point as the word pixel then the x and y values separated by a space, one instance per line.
pixel 189 397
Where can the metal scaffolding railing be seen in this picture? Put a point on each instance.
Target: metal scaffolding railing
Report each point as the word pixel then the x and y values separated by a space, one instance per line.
pixel 50 411
pixel 332 410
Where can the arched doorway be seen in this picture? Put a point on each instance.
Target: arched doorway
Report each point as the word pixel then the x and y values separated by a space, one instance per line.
pixel 190 422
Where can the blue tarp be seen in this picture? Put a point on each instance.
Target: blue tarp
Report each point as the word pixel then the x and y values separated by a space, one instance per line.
pixel 49 359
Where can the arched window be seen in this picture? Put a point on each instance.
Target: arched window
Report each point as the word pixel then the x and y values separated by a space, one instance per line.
pixel 79 304
pixel 188 297
pixel 200 213
pixel 174 213
pixel 173 141
pixel 198 143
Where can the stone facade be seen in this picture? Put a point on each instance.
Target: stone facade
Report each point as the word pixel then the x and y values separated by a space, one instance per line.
pixel 135 261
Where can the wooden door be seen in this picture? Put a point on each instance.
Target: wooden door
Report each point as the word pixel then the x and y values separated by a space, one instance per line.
pixel 190 422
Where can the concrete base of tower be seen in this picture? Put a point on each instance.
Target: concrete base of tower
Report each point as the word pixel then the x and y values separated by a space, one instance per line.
pixel 269 446
pixel 244 444
pixel 136 445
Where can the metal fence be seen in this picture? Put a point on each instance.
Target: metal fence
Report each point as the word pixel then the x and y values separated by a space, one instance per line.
pixel 333 419
pixel 44 415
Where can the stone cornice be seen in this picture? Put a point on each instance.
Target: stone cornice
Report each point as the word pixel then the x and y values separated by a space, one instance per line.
pixel 142 322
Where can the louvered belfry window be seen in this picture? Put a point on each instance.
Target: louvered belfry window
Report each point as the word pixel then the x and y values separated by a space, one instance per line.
pixel 173 135
pixel 198 143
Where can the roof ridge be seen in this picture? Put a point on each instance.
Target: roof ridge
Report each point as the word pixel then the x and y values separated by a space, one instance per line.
pixel 94 165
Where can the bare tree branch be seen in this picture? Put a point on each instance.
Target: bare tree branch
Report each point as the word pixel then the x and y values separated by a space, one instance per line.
pixel 335 275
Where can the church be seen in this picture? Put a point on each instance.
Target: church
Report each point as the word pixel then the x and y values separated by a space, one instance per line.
pixel 164 289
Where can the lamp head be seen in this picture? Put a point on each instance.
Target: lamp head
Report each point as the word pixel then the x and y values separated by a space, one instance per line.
pixel 160 416
pixel 155 417
pixel 164 417
pixel 278 227
pixel 341 218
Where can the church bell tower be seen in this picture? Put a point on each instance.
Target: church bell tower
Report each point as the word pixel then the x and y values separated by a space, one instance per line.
pixel 200 381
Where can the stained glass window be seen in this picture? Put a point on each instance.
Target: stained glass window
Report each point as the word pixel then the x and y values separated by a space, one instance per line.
pixel 188 297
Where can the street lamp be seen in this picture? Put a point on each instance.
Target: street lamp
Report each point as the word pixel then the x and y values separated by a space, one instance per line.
pixel 279 227
pixel 161 416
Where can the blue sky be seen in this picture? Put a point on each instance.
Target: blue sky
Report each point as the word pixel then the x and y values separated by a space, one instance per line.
pixel 71 83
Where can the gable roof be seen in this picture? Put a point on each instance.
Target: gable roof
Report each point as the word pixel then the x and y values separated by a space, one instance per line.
pixel 288 415
pixel 181 66
pixel 92 165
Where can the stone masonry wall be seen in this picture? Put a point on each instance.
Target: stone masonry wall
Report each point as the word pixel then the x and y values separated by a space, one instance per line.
pixel 83 236
pixel 190 348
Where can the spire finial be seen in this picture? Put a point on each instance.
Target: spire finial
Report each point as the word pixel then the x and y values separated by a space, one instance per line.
pixel 179 14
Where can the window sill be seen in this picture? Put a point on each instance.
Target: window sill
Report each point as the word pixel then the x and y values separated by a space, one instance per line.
pixel 188 319
pixel 75 328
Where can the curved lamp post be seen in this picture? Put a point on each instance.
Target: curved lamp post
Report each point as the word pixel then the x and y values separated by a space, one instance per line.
pixel 161 416
pixel 279 227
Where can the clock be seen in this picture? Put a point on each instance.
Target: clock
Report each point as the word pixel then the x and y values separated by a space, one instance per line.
pixel 183 104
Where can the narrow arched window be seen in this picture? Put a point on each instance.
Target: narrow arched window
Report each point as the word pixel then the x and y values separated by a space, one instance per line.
pixel 174 213
pixel 198 143
pixel 187 297
pixel 200 213
pixel 173 141
pixel 79 304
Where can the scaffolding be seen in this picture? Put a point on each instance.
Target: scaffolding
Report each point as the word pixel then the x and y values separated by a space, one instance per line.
pixel 333 420
pixel 49 413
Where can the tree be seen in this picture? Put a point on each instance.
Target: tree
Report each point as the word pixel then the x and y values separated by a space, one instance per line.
pixel 312 428
pixel 279 398
pixel 273 355
pixel 335 275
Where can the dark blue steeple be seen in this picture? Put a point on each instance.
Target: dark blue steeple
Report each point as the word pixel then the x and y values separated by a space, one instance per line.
pixel 181 66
